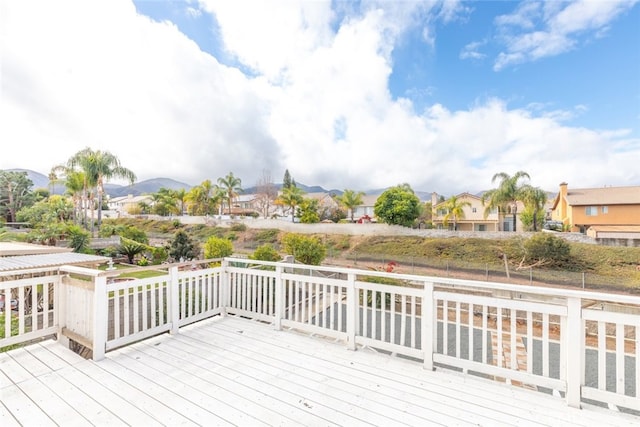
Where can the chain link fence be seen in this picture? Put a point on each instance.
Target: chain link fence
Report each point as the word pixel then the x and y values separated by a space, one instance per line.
pixel 490 272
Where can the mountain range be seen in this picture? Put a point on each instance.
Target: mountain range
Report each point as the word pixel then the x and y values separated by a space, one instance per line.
pixel 153 185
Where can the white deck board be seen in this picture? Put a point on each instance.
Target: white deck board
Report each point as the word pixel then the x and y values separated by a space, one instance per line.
pixel 232 371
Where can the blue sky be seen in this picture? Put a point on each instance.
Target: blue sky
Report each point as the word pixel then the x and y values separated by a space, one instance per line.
pixel 369 94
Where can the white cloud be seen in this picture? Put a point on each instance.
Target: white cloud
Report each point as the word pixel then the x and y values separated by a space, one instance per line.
pixel 319 105
pixel 541 29
pixel 471 51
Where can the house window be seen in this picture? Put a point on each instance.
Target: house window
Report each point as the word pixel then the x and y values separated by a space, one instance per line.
pixel 591 211
pixel 605 209
pixel 474 210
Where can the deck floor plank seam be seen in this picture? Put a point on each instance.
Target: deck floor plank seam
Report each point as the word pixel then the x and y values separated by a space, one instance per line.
pixel 396 398
pixel 285 386
pixel 215 397
pixel 402 371
pixel 151 383
pixel 230 370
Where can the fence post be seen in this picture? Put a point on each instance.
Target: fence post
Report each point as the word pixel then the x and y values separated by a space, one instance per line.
pixel 352 311
pixel 225 284
pixel 279 296
pixel 100 317
pixel 427 326
pixel 573 341
pixel 174 300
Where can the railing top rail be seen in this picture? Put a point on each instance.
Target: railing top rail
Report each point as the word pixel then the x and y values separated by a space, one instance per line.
pixel 22 272
pixel 525 289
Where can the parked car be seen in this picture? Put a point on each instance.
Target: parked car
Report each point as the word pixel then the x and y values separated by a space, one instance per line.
pixel 14 304
pixel 553 226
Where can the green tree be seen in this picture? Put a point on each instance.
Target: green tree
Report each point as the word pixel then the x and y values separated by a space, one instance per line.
pixel 181 198
pixel 506 196
pixel 75 187
pixel 204 198
pixel 134 233
pixel 305 249
pixel 131 248
pixel 78 238
pixel 183 247
pixel 165 202
pixel 286 180
pixel 291 197
pixel 265 252
pixel 15 193
pixel 455 211
pixel 546 249
pixel 217 247
pixel 534 199
pixel 309 211
pixel 98 167
pixel 398 205
pixel 232 186
pixel 350 199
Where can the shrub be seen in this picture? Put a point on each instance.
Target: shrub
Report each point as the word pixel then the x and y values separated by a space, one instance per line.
pixel 238 227
pixel 269 235
pixel 305 249
pixel 134 233
pixel 79 238
pixel 183 247
pixel 547 249
pixel 266 252
pixel 216 247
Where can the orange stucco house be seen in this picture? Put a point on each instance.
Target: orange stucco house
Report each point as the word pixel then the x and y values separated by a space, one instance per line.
pixel 617 208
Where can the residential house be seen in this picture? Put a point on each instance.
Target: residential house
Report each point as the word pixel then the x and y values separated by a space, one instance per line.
pixel 123 204
pixel 583 208
pixel 474 219
pixel 245 205
pixel 366 208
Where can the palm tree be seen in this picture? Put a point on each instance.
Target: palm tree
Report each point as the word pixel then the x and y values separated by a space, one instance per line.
pixel 455 209
pixel 165 202
pixel 350 200
pixel 181 196
pixel 290 197
pixel 75 184
pixel 232 187
pixel 202 199
pixel 506 196
pixel 97 166
pixel 534 198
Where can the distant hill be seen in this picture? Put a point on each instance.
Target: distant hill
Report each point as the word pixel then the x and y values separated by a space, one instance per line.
pixel 114 190
pixel 145 187
pixel 153 185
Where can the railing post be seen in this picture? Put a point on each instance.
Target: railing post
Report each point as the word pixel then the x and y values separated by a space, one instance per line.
pixel 174 300
pixel 100 317
pixel 61 296
pixel 225 283
pixel 279 298
pixel 574 346
pixel 427 326
pixel 352 311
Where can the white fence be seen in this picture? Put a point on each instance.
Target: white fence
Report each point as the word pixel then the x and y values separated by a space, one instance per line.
pixel 579 345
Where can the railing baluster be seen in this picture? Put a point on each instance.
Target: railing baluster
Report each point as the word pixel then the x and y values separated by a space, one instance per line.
pixel 458 329
pixel 620 358
pixel 545 344
pixel 413 322
pixel 403 320
pixel 602 356
pixel 529 341
pixel 485 327
pixel 392 328
pixel 470 330
pixel 445 327
pixel 513 363
pixel 374 316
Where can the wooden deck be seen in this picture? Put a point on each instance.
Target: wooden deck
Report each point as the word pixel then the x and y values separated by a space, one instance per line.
pixel 235 371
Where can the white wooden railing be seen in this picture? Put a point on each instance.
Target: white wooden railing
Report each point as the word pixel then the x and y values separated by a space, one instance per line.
pixel 576 344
